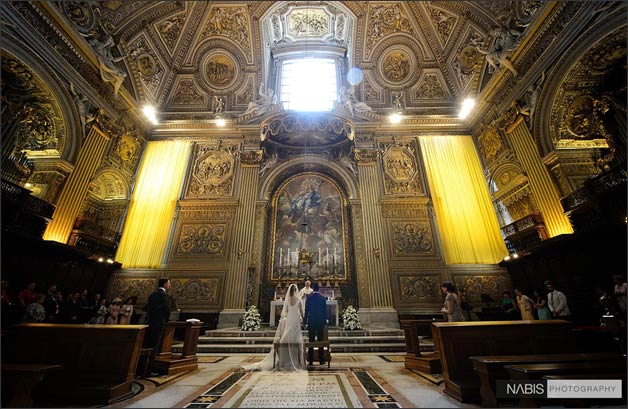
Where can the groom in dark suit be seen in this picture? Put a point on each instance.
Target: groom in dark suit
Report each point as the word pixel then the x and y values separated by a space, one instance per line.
pixel 315 319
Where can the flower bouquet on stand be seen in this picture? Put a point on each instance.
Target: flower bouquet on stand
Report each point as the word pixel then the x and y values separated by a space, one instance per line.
pixel 350 319
pixel 251 321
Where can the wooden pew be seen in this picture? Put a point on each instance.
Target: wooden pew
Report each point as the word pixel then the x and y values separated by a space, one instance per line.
pixel 491 368
pixel 414 359
pixel 457 341
pixel 170 363
pixel 98 361
pixel 18 381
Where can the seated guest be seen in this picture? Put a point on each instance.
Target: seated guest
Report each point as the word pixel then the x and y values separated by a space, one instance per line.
pixel 126 311
pixel 508 306
pixel 540 304
pixel 27 295
pixel 35 311
pixel 526 305
pixel 114 311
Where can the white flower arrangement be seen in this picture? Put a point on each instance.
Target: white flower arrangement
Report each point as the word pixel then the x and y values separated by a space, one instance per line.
pixel 251 321
pixel 350 319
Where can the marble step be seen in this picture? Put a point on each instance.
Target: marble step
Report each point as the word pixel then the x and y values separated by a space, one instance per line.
pixel 332 340
pixel 259 348
pixel 332 333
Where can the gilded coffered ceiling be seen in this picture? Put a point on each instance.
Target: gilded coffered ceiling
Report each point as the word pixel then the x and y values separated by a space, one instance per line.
pixel 180 55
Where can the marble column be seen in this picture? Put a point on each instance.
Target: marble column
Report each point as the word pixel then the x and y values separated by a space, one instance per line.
pixel 380 309
pixel 242 245
pixel 544 190
pixel 74 190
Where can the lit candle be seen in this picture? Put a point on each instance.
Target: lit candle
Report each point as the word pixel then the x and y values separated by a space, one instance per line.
pixel 319 256
pixel 289 257
pixel 327 255
pixel 335 256
pixel 280 259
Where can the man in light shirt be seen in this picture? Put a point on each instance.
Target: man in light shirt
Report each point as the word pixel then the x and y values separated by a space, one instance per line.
pixel 557 303
pixel 305 291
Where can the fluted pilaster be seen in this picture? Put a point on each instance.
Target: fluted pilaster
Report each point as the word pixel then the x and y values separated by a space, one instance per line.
pixel 75 189
pixel 545 192
pixel 243 240
pixel 376 253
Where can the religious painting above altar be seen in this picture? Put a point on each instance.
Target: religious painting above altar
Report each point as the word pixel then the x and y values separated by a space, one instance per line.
pixel 309 231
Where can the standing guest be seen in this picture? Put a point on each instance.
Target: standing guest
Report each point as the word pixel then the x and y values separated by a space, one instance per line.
pixel 85 310
pixel 126 311
pixel 35 311
pixel 113 311
pixel 526 305
pixel 5 296
pixel 101 313
pixel 621 290
pixel 71 309
pixel 83 299
pixel 27 295
pixel 509 306
pixel 452 309
pixel 540 304
pixel 557 303
pixel 50 304
pixel 157 315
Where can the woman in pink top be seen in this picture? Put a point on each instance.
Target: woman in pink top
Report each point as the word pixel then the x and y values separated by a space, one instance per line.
pixel 114 311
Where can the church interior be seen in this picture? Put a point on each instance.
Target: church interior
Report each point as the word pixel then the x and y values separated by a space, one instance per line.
pixel 397 155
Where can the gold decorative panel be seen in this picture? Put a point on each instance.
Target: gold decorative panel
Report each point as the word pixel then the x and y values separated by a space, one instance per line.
pixel 195 291
pixel 396 66
pixel 412 238
pixel 212 172
pixel 419 288
pixel 385 19
pixel 205 239
pixel 187 94
pixel 491 144
pixel 476 284
pixel 220 71
pixel 401 170
pixel 229 22
pixel 306 22
pixel 125 287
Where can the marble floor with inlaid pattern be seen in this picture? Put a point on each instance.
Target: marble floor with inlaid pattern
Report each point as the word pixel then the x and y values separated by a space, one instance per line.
pixel 354 380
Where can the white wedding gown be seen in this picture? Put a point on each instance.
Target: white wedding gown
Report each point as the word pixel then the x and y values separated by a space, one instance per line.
pixel 289 340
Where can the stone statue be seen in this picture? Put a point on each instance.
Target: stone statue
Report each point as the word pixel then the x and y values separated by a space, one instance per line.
pixel 531 97
pixel 352 104
pixel 269 164
pixel 109 72
pixel 347 163
pixel 220 104
pixel 82 106
pixel 397 101
pixel 505 40
pixel 262 104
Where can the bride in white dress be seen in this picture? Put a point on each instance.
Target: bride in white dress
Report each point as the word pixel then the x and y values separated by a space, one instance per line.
pixel 288 337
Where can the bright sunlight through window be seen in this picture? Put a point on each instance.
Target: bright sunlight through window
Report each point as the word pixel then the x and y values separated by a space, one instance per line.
pixel 308 84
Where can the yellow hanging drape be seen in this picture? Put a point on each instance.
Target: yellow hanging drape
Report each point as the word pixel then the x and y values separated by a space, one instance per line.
pixel 152 207
pixel 464 213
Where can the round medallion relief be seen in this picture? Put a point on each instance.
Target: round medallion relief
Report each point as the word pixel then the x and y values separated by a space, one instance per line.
pixel 395 66
pixel 220 71
pixel 146 65
pixel 468 58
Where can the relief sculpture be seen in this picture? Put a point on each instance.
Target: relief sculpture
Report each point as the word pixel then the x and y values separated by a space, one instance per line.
pixel 202 239
pixel 212 173
pixel 400 170
pixel 412 239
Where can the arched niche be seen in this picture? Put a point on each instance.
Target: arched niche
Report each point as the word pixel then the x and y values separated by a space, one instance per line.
pixel 45 102
pixel 582 72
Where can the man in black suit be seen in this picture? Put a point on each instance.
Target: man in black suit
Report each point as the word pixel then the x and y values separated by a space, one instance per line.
pixel 157 315
pixel 315 319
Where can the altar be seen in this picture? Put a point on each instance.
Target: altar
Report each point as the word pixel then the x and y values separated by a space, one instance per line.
pixel 331 305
